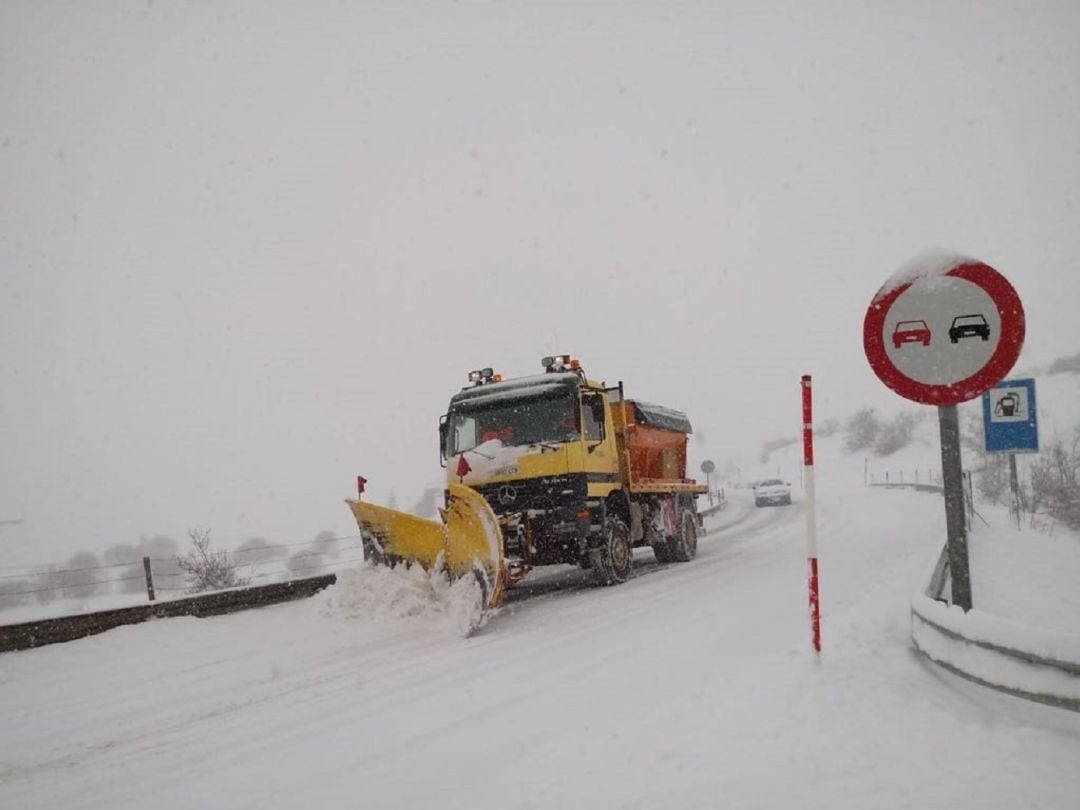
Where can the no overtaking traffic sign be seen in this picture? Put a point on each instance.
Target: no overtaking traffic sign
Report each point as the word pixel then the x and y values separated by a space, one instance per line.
pixel 944 330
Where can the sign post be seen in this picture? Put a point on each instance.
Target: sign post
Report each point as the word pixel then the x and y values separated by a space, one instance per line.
pixel 943 330
pixel 707 467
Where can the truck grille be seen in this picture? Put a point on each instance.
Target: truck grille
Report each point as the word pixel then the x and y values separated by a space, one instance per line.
pixel 547 492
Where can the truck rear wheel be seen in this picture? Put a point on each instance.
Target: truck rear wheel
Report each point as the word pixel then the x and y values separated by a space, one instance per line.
pixel 662 550
pixel 613 560
pixel 684 544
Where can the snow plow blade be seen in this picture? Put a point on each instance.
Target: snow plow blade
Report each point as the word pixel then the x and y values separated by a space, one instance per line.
pixel 474 541
pixel 390 536
pixel 469 542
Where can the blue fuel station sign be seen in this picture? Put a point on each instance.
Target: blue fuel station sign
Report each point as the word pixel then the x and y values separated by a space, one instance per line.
pixel 1010 418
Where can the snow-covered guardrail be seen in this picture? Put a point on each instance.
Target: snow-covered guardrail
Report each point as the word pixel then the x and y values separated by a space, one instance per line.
pixel 998 653
pixel 909 485
pixel 712 510
pixel 66 628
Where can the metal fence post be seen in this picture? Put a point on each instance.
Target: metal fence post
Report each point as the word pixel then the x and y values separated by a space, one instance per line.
pixel 149 578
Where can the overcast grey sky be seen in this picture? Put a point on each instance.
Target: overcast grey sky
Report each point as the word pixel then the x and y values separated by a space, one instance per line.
pixel 249 250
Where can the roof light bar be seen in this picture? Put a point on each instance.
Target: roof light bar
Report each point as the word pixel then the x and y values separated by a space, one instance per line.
pixel 561 362
pixel 484 375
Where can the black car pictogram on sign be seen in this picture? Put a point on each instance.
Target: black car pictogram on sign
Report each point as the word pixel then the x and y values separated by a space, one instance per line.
pixel 964 326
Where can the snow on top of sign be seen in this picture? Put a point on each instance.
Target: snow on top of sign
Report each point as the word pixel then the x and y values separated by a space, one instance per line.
pixel 929 263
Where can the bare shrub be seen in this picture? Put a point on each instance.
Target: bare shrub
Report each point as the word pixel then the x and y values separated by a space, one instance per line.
pixel 830 427
pixel 1055 482
pixel 1065 365
pixel 162 551
pixel 257 550
pixel 896 434
pixel 972 436
pixel 82 577
pixel 47 586
pixel 206 570
pixel 119 553
pixel 14 592
pixel 992 479
pixel 861 430
pixel 326 542
pixel 254 552
pixel 304 564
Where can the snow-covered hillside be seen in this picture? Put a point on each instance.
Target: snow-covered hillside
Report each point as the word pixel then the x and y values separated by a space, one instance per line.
pixel 688 686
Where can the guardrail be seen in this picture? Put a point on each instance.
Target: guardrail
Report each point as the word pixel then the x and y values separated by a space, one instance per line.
pixel 67 628
pixel 909 485
pixel 712 510
pixel 983 653
pixel 978 647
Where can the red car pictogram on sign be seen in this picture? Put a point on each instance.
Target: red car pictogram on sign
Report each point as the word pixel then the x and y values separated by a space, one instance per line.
pixel 911 332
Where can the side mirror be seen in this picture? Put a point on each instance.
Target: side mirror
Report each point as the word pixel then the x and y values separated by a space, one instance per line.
pixel 444 430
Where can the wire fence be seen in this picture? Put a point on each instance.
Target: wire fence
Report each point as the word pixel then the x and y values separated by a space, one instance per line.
pixel 54 570
pixel 50 582
pixel 58 587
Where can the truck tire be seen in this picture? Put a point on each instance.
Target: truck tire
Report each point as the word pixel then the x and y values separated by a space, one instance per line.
pixel 684 545
pixel 613 560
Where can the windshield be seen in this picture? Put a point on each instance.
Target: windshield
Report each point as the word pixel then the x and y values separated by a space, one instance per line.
pixel 970 320
pixel 549 420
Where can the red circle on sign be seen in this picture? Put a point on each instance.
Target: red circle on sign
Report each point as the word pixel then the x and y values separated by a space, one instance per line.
pixel 1000 363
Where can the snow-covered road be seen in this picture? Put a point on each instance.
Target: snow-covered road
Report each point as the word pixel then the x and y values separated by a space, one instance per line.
pixel 689 686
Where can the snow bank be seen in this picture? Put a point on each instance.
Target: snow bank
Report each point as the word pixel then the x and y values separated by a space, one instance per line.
pixel 404 594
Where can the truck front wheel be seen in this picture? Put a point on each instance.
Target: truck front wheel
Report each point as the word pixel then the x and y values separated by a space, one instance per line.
pixel 612 561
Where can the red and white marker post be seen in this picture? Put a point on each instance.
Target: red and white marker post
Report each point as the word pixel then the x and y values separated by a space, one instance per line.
pixel 811 516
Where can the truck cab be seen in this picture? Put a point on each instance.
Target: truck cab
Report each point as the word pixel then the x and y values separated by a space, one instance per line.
pixel 557 456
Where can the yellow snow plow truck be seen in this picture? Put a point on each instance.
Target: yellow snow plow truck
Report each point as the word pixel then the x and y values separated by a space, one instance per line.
pixel 546 469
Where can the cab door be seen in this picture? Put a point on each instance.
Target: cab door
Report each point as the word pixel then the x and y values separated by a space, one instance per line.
pixel 599 458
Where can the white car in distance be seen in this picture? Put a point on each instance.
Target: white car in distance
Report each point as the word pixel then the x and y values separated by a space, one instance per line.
pixel 771 491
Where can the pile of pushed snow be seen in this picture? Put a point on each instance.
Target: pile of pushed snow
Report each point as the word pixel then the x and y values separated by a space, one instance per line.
pixel 405 593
